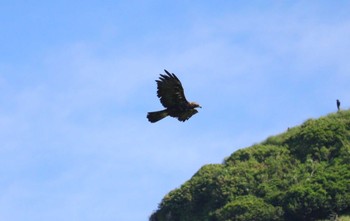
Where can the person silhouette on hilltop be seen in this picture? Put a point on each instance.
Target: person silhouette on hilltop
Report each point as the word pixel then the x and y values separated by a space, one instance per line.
pixel 338 105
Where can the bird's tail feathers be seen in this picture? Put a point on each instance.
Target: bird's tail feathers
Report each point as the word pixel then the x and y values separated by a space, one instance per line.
pixel 157 115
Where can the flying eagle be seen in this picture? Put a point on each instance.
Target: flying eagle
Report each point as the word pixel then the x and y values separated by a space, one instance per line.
pixel 172 97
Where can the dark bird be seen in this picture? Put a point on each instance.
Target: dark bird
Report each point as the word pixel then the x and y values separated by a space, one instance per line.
pixel 172 97
pixel 338 105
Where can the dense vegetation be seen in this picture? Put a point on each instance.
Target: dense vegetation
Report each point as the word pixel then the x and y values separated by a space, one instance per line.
pixel 302 174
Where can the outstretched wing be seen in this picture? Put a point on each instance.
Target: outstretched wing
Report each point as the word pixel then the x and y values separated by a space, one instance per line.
pixel 170 91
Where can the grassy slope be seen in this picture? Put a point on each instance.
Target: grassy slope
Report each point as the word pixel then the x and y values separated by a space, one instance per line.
pixel 302 174
pixel 344 218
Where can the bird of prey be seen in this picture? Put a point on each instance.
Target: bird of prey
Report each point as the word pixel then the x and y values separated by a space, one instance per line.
pixel 338 105
pixel 172 97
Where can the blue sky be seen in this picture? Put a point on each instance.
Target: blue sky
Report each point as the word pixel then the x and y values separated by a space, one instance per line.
pixel 77 79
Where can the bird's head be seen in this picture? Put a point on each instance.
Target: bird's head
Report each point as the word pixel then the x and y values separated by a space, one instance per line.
pixel 194 105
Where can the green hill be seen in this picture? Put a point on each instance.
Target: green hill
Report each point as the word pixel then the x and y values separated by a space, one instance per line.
pixel 302 174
